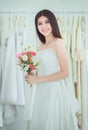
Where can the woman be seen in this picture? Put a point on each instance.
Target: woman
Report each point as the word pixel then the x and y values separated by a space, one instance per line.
pixel 55 106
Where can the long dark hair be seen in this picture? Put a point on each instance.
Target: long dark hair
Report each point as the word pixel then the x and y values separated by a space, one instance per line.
pixel 53 22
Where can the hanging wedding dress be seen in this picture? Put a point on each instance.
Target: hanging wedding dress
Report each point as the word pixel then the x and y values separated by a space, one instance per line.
pixel 85 74
pixel 19 41
pixel 1 117
pixel 8 111
pixel 55 106
pixel 15 92
pixel 9 74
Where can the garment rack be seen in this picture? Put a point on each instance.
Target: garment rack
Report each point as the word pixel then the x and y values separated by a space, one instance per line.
pixel 57 12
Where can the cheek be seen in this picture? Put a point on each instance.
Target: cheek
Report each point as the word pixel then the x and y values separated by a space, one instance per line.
pixel 39 28
pixel 50 27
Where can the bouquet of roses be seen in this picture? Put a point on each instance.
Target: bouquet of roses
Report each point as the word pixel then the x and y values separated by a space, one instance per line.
pixel 26 58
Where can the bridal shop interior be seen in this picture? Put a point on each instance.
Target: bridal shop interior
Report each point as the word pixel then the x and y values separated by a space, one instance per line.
pixel 17 28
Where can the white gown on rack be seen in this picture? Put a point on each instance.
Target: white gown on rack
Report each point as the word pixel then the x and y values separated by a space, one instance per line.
pixel 55 106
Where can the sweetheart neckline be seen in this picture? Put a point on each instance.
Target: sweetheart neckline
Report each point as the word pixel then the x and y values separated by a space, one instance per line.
pixel 47 49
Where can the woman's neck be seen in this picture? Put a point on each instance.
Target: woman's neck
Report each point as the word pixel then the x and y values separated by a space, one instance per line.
pixel 49 39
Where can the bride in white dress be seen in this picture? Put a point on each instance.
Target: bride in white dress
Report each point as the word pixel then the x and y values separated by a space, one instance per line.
pixel 55 105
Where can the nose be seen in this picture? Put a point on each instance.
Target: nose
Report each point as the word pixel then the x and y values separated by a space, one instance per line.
pixel 44 26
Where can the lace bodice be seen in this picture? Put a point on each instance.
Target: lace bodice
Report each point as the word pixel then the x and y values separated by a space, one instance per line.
pixel 48 62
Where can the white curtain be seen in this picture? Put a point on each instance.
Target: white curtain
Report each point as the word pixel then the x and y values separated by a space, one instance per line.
pixel 17 29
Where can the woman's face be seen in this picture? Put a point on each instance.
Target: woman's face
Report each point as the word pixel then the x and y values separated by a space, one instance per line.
pixel 44 26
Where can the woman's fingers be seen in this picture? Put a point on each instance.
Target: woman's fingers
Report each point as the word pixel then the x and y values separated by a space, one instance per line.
pixel 27 78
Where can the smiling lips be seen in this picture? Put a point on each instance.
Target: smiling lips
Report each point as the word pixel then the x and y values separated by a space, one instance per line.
pixel 45 30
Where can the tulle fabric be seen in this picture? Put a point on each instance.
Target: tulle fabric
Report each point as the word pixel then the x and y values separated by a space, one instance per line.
pixel 55 105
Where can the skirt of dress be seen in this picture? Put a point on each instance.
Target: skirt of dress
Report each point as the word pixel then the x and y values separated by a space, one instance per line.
pixel 55 107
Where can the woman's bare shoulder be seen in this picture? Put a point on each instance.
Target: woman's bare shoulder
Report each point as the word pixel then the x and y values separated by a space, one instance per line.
pixel 59 42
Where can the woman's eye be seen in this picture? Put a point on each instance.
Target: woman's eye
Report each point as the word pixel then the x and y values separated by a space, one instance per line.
pixel 39 23
pixel 47 21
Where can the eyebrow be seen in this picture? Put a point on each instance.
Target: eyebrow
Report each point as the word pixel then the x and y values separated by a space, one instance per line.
pixel 46 20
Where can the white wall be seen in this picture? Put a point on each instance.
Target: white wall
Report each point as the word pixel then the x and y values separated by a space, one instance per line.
pixel 34 5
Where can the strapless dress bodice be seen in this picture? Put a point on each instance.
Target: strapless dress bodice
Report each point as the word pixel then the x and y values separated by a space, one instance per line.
pixel 48 62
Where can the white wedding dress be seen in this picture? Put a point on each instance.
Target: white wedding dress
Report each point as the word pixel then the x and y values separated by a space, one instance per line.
pixel 55 105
